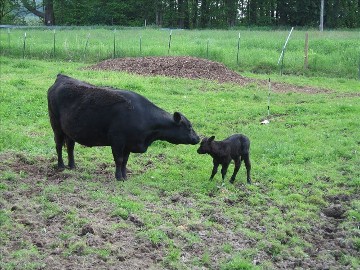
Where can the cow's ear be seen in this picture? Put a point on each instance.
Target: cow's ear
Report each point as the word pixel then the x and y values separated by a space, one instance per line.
pixel 177 117
pixel 211 138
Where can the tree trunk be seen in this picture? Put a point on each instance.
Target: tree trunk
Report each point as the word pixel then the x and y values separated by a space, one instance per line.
pixel 204 14
pixel 49 12
pixel 47 16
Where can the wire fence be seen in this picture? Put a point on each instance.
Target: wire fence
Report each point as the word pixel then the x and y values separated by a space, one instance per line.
pixel 253 51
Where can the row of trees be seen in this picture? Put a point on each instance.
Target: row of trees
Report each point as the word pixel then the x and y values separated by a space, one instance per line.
pixel 186 13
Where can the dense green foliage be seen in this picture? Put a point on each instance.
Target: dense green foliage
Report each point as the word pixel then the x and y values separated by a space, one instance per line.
pixel 308 153
pixel 190 14
pixel 331 53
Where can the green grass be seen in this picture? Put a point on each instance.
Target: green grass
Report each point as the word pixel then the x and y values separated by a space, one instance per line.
pixel 331 53
pixel 309 151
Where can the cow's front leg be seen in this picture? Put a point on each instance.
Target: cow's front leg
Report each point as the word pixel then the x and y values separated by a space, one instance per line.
pixel 119 159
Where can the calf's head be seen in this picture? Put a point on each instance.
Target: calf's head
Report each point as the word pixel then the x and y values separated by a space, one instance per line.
pixel 183 132
pixel 205 145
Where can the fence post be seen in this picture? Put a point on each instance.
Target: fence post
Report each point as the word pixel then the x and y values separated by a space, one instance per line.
pixel 114 53
pixel 238 49
pixel 169 41
pixel 207 48
pixel 268 107
pixel 140 46
pixel 281 58
pixel 24 45
pixel 306 50
pixel 54 43
pixel 86 44
pixel 9 39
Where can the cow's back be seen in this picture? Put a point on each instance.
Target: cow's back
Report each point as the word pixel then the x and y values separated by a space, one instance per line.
pixel 90 115
pixel 67 92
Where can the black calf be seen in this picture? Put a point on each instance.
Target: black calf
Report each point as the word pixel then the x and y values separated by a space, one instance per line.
pixel 236 148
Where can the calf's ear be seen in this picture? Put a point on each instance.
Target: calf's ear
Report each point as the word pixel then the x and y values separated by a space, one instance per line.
pixel 211 138
pixel 177 117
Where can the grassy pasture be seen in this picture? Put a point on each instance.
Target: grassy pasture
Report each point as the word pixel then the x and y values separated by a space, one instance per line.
pixel 331 53
pixel 307 156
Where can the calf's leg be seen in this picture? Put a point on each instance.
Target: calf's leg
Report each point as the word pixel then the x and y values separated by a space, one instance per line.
pixel 224 169
pixel 236 169
pixel 215 169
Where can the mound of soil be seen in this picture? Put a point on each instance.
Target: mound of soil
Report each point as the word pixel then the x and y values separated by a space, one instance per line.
pixel 182 67
pixel 191 68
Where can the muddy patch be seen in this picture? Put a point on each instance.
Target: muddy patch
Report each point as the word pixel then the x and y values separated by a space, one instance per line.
pixel 57 225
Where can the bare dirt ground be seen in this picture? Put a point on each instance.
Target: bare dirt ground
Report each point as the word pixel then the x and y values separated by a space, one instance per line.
pixel 74 235
pixel 192 68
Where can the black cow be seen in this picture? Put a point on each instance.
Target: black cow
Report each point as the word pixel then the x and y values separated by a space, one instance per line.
pixel 102 116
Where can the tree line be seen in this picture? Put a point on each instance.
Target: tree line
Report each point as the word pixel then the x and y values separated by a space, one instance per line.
pixel 187 14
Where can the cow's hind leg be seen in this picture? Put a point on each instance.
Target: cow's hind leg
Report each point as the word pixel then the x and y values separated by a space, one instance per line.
pixel 59 141
pixel 248 167
pixel 59 138
pixel 70 144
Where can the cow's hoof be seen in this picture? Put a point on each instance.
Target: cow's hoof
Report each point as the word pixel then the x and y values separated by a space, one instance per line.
pixel 60 167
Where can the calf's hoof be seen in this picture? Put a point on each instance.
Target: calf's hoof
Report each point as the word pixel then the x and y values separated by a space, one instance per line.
pixel 120 178
pixel 249 181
